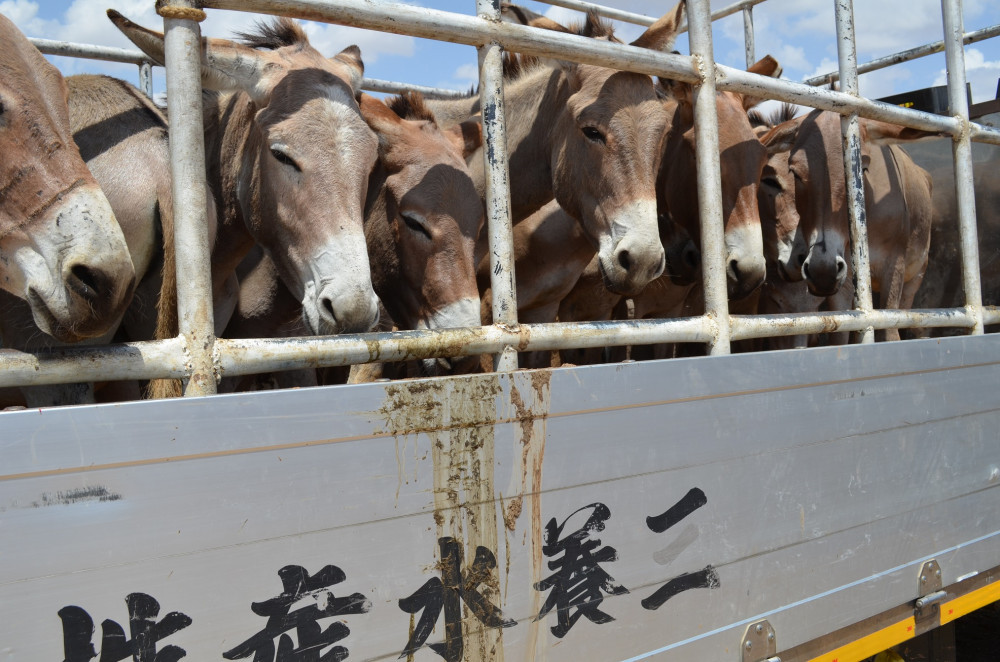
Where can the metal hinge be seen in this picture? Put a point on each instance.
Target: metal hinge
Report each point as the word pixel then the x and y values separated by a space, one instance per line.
pixel 759 643
pixel 929 588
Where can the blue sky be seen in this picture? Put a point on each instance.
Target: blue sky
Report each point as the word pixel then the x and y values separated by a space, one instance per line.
pixel 798 32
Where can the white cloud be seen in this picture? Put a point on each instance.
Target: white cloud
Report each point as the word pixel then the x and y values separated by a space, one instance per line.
pixel 981 74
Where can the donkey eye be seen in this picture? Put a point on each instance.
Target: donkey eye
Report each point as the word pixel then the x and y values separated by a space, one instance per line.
pixel 282 157
pixel 593 134
pixel 415 223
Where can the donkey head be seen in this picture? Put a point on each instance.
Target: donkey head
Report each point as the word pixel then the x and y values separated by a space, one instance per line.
pixel 304 162
pixel 61 249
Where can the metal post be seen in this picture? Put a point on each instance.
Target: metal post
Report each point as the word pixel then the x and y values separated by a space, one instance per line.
pixel 146 79
pixel 958 105
pixel 748 35
pixel 851 128
pixel 187 165
pixel 706 126
pixel 497 185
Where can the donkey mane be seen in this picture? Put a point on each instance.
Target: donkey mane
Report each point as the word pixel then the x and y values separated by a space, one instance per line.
pixel 410 106
pixel 783 113
pixel 595 27
pixel 273 35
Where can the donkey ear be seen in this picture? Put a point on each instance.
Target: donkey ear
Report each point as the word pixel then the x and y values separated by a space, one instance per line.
pixel 380 118
pixel 677 90
pixel 782 137
pixel 467 137
pixel 225 65
pixel 766 66
pixel 523 16
pixel 660 36
pixel 351 56
pixel 884 133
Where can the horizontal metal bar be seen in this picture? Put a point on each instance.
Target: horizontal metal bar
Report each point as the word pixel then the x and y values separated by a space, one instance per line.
pixel 746 327
pixel 737 80
pixel 89 51
pixel 906 56
pixel 726 11
pixel 242 357
pixel 149 360
pixel 140 360
pixel 112 54
pixel 642 19
pixel 393 87
pixel 440 25
pixel 601 10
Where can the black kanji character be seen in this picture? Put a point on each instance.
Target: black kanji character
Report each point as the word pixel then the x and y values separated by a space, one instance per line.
pixel 78 630
pixel 579 580
pixel 704 578
pixel 312 639
pixel 454 587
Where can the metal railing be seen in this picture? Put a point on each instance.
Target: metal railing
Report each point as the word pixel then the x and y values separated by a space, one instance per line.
pixel 202 358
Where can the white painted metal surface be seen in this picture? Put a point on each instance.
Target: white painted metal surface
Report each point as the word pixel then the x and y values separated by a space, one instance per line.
pixel 811 486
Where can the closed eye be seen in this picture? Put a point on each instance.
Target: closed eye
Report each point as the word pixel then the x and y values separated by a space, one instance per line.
pixel 278 152
pixel 416 223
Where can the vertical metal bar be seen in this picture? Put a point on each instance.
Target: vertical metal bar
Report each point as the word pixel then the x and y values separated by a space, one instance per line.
pixel 851 128
pixel 146 79
pixel 187 165
pixel 748 35
pixel 958 104
pixel 706 126
pixel 497 185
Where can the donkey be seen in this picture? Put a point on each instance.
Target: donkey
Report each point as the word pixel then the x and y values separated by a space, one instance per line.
pixel 898 205
pixel 742 158
pixel 592 138
pixel 422 216
pixel 61 250
pixel 288 154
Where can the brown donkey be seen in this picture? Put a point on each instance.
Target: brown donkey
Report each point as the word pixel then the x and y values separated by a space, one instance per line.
pixel 288 157
pixel 61 250
pixel 422 216
pixel 897 203
pixel 592 138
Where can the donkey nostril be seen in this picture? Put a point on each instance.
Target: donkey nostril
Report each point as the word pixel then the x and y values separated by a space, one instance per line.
pixel 691 258
pixel 624 260
pixel 841 266
pixel 327 305
pixel 805 269
pixel 85 281
pixel 801 258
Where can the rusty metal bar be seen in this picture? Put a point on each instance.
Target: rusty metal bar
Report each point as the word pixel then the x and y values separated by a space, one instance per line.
pixel 190 195
pixel 748 35
pixel 847 56
pixel 746 327
pixel 91 52
pixel 706 126
pixel 495 162
pixel 146 79
pixel 958 104
pixel 906 56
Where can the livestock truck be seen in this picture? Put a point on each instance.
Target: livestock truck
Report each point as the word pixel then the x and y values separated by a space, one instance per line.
pixel 826 504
